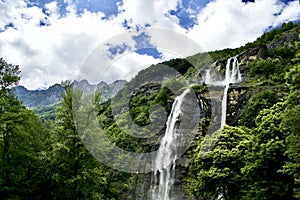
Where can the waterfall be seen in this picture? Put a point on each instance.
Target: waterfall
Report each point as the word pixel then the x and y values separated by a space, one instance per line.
pixel 165 161
pixel 232 75
pixel 208 79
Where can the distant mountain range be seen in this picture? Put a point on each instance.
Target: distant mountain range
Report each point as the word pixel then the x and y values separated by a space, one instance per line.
pixel 35 98
pixel 44 102
pixel 52 95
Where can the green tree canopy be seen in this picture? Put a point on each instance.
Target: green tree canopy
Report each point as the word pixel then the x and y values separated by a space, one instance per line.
pixel 217 173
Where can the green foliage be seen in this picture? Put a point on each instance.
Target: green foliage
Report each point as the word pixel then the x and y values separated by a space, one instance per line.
pixel 190 74
pixel 223 54
pixel 20 139
pixel 164 98
pixel 271 35
pixel 217 172
pixel 140 105
pixel 266 68
pixel 19 146
pixel 291 126
pixel 266 157
pixel 284 52
pixel 72 172
pixel 180 65
pixel 46 112
pixel 292 77
pixel 258 102
pixel 111 125
pixel 9 75
pixel 262 163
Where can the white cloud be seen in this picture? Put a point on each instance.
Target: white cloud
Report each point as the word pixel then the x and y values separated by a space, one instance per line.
pixel 53 53
pixel 128 66
pixel 58 50
pixel 231 23
pixel 50 54
pixel 8 11
pixel 52 8
pixel 154 12
pixel 291 12
pixel 129 63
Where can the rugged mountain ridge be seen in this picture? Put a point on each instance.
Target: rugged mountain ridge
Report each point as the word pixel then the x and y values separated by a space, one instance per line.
pixel 45 102
pixel 35 98
pixel 52 95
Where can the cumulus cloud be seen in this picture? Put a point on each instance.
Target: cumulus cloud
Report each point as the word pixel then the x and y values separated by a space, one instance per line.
pixel 231 23
pixel 52 53
pixel 153 12
pixel 291 12
pixel 126 67
pixel 50 46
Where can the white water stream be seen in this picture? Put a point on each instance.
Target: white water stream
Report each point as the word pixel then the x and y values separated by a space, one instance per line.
pixel 232 75
pixel 165 161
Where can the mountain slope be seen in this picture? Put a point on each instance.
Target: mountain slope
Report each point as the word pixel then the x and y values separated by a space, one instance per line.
pixel 270 68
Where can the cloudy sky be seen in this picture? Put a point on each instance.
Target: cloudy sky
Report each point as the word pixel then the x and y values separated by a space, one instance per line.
pixel 52 40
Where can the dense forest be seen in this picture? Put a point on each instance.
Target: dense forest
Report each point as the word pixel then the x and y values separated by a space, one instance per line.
pixel 255 156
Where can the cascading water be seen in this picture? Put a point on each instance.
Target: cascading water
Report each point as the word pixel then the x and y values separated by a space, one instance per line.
pixel 232 75
pixel 165 161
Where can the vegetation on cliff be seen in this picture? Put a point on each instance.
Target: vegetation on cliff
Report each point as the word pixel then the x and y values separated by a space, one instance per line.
pixel 259 157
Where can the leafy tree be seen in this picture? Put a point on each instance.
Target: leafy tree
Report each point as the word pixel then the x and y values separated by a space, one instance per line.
pixel 291 126
pixel 9 107
pixel 19 139
pixel 9 76
pixel 292 77
pixel 287 26
pixel 266 157
pixel 258 102
pixel 266 67
pixel 216 173
pixel 73 173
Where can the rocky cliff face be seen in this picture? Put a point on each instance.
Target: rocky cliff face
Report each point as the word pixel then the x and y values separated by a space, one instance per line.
pixel 237 100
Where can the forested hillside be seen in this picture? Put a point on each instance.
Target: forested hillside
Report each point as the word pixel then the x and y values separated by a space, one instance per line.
pixel 255 156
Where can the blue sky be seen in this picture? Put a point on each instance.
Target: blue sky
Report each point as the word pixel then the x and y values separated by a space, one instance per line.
pixel 50 39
